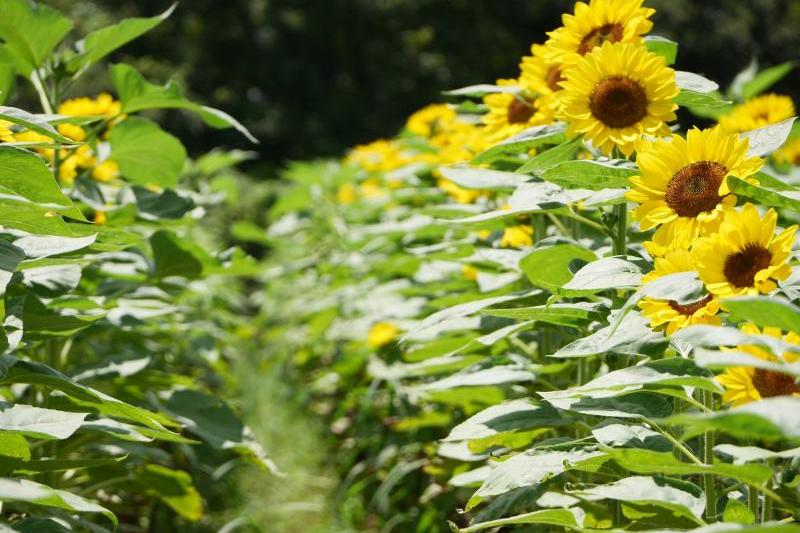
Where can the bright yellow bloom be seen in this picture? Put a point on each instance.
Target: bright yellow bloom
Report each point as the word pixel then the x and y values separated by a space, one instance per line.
pixel 458 193
pixel 520 236
pixel 510 114
pixel 6 133
pixel 745 257
pixel 670 314
pixel 616 94
pixel 459 142
pixel 346 193
pixel 541 74
pixel 431 119
pixel 80 158
pixel 596 23
pixel 757 113
pixel 746 384
pixel 106 171
pixel 382 334
pixel 372 188
pixel 29 136
pixel 377 156
pixel 469 272
pixel 682 182
pixel 789 153
pixel 73 131
pixel 100 218
pixel 104 105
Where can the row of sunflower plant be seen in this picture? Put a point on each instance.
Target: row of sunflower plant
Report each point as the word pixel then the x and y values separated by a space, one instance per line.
pixel 114 381
pixel 545 305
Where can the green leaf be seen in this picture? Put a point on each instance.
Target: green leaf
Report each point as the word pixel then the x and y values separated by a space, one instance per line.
pixel 23 490
pixel 663 47
pixel 523 142
pixel 175 488
pixel 766 79
pixel 508 417
pixel 137 94
pixel 694 82
pixel 708 105
pixel 592 175
pixel 146 154
pixel 478 91
pixel 24 174
pixel 767 139
pixel 99 43
pixel 31 31
pixel 765 311
pixel 10 257
pixel 632 336
pixel 479 178
pixel 35 123
pixel 7 74
pixel 566 518
pixel 549 267
pixel 563 314
pixel 174 256
pixel 763 195
pixel 738 512
pixel 551 157
pixel 39 423
pixel 635 405
pixel 602 274
pixel 15 446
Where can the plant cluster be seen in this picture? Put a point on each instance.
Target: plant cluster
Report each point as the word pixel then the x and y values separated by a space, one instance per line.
pixel 113 375
pixel 544 305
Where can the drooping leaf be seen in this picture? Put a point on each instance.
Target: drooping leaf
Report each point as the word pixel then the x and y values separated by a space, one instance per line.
pixel 146 154
pixel 31 31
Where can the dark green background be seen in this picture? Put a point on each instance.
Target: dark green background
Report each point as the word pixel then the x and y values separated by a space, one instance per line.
pixel 312 77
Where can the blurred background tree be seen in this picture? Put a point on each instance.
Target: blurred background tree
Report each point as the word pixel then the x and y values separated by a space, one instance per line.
pixel 312 77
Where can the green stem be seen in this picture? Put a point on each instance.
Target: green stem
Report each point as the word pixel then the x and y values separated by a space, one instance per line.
pixel 752 500
pixel 620 244
pixel 675 442
pixel 560 225
pixel 766 510
pixel 709 485
pixel 588 221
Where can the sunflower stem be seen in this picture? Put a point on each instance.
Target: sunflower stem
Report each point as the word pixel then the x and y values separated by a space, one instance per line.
pixel 752 501
pixel 620 244
pixel 709 486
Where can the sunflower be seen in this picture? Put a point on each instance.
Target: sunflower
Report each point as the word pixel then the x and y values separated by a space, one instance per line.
pixel 596 23
pixel 616 94
pixel 458 193
pixel 683 183
pixel 377 156
pixel 520 236
pixel 789 153
pixel 102 106
pixel 512 112
pixel 757 113
pixel 431 119
pixel 541 75
pixel 746 384
pixel 381 334
pixel 744 257
pixel 6 132
pixel 670 314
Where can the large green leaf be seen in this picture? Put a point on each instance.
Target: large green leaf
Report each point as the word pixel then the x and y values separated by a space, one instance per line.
pixel 36 123
pixel 765 311
pixel 549 267
pixel 479 178
pixel 766 79
pixel 175 488
pixel 523 142
pixel 663 47
pixel 137 94
pixel 592 175
pixel 39 423
pixel 146 154
pixel 563 518
pixel 175 257
pixel 23 490
pixel 31 31
pixel 631 336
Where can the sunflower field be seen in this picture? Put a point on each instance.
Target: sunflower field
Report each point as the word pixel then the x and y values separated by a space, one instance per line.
pixel 563 301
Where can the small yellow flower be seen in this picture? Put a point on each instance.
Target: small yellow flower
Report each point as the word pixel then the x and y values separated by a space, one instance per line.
pixel 106 171
pixel 382 334
pixel 520 236
pixel 100 218
pixel 670 314
pixel 759 112
pixel 104 105
pixel 616 94
pixel 744 257
pixel 73 131
pixel 469 272
pixel 346 193
pixel 377 156
pixel 746 384
pixel 457 193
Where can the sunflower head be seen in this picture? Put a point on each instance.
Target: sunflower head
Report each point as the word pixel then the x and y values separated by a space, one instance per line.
pixel 616 94
pixel 789 153
pixel 744 256
pixel 682 183
pixel 746 384
pixel 541 74
pixel 520 236
pixel 381 334
pixel 377 156
pixel 512 112
pixel 670 314
pixel 597 23
pixel 431 120
pixel 757 113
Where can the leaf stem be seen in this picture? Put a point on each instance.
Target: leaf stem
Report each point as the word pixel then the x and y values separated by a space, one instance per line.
pixel 620 244
pixel 709 486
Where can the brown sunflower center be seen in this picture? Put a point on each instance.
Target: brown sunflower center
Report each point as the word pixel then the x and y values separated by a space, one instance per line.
pixel 520 111
pixel 554 78
pixel 695 188
pixel 689 309
pixel 770 383
pixel 607 32
pixel 741 268
pixel 618 102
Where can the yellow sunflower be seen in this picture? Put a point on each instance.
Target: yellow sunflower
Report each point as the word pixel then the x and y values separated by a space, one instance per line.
pixel 541 74
pixel 616 94
pixel 103 106
pixel 789 153
pixel 431 119
pixel 682 183
pixel 670 314
pixel 596 23
pixel 6 132
pixel 512 112
pixel 520 236
pixel 744 257
pixel 377 156
pixel 744 384
pixel 381 334
pixel 458 193
pixel 757 113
